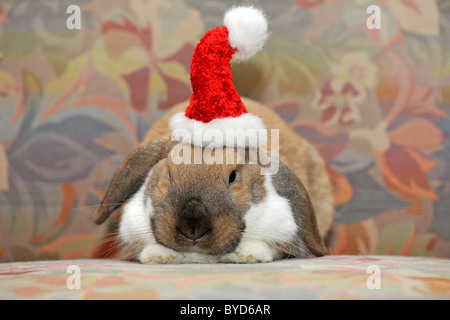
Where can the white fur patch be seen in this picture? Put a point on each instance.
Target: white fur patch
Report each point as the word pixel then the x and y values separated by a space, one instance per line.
pixel 134 226
pixel 272 220
pixel 268 224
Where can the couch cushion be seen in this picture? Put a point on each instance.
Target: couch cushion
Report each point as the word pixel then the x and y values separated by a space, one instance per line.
pixel 330 277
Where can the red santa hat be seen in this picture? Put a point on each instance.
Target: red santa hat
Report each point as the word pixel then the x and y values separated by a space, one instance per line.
pixel 215 105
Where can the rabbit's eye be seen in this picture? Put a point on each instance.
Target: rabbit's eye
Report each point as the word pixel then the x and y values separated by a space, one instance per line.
pixel 232 177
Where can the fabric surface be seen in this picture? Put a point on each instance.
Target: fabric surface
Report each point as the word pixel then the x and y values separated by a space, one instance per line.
pixel 375 103
pixel 331 277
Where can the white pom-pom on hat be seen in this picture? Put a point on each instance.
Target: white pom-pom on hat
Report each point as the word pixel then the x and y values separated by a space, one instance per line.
pixel 247 30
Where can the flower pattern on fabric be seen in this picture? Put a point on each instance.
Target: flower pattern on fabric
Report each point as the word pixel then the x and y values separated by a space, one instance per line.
pixel 339 102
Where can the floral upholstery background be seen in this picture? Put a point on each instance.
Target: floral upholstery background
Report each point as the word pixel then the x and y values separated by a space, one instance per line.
pixel 375 103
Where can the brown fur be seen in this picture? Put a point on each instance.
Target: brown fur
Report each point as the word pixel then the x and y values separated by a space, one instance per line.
pixel 205 186
pixel 130 175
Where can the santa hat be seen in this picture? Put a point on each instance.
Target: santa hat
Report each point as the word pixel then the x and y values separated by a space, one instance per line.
pixel 215 105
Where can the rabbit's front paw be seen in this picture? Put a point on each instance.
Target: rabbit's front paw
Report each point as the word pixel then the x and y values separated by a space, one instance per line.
pixel 250 252
pixel 156 254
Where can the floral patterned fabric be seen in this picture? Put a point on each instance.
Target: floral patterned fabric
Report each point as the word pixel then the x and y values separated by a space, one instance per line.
pixel 375 103
pixel 332 277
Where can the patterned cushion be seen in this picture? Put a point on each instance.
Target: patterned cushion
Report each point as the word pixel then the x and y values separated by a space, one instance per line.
pixel 331 277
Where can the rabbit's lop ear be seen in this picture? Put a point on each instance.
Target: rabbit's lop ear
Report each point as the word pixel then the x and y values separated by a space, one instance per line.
pixel 130 175
pixel 308 243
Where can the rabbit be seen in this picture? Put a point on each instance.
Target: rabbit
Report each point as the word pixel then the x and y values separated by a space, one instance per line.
pixel 219 213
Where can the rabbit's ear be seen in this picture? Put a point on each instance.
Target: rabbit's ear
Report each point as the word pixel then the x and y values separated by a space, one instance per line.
pixel 130 176
pixel 309 242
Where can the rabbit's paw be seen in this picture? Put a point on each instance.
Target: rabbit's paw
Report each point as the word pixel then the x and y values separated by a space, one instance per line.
pixel 156 254
pixel 250 252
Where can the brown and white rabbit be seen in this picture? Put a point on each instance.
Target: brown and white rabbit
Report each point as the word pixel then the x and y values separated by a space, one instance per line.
pixel 225 211
pixel 185 213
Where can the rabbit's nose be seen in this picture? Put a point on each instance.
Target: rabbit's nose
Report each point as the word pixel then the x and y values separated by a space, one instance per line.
pixel 193 230
pixel 194 221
